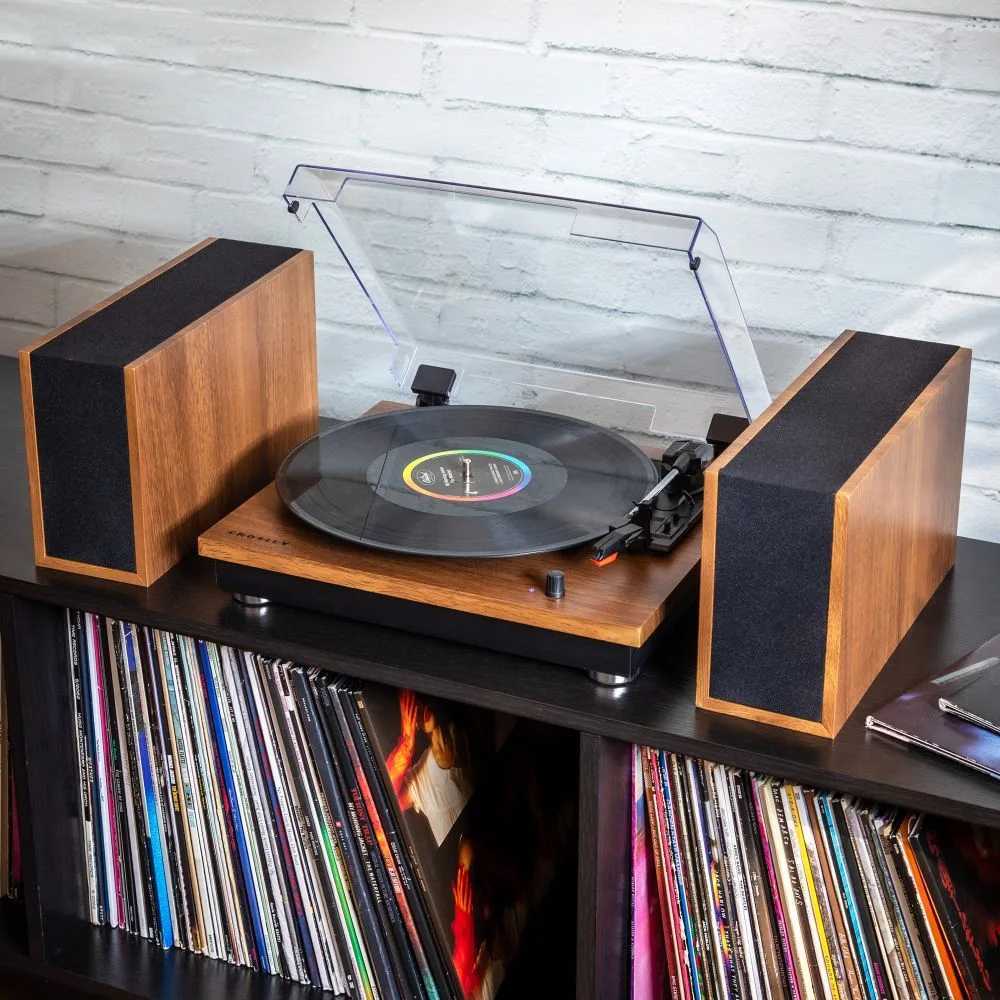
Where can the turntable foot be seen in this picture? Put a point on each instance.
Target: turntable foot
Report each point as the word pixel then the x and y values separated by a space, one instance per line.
pixel 250 601
pixel 608 680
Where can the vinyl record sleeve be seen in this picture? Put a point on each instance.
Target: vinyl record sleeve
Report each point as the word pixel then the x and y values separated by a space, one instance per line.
pixel 397 846
pixel 910 904
pixel 79 692
pixel 161 910
pixel 761 906
pixel 829 884
pixel 911 981
pixel 792 899
pixel 859 894
pixel 823 941
pixel 328 941
pixel 772 861
pixel 668 925
pixel 126 916
pixel 959 862
pixel 935 930
pixel 915 718
pixel 377 841
pixel 745 947
pixel 978 702
pixel 303 959
pixel 136 881
pixel 377 963
pixel 683 887
pixel 648 964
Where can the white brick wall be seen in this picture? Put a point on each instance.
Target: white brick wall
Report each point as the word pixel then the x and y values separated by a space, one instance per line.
pixel 848 151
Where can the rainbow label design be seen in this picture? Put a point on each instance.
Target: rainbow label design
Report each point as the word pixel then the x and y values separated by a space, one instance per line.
pixel 467 475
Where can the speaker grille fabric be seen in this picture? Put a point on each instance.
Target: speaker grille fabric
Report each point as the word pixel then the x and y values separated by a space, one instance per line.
pixel 774 523
pixel 78 389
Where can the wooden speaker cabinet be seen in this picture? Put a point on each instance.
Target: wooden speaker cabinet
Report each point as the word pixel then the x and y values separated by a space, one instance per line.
pixel 153 414
pixel 829 523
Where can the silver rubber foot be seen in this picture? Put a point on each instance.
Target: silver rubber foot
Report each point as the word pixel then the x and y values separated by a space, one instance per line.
pixel 608 680
pixel 251 601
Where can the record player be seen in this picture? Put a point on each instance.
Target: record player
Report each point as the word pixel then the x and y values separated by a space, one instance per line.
pixel 517 430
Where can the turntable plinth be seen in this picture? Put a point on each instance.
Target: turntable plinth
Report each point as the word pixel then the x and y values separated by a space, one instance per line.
pixel 609 621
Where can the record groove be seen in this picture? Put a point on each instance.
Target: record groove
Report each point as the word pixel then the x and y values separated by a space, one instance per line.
pixel 486 481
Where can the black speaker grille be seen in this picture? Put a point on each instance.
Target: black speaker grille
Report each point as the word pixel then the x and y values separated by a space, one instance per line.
pixel 78 387
pixel 774 526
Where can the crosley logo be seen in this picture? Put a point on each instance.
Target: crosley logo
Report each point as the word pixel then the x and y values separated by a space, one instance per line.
pixel 426 477
pixel 255 538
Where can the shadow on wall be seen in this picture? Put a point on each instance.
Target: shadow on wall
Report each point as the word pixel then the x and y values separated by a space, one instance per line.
pixel 49 276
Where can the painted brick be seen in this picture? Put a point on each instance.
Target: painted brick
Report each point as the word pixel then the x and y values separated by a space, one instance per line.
pixel 509 21
pixel 159 94
pixel 637 153
pixel 972 60
pixel 842 180
pixel 74 295
pixel 560 81
pixel 325 55
pixel 984 391
pixel 970 320
pixel 752 233
pixel 915 119
pixel 33 131
pixel 120 204
pixel 967 8
pixel 970 196
pixel 690 30
pixel 843 42
pixel 772 300
pixel 317 11
pixel 275 158
pixel 981 466
pixel 731 98
pixel 979 513
pixel 60 248
pixel 260 219
pixel 22 186
pixel 844 194
pixel 495 135
pixel 15 335
pixel 27 296
pixel 957 260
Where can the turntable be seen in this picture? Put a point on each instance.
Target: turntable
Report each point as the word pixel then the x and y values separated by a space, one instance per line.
pixel 546 371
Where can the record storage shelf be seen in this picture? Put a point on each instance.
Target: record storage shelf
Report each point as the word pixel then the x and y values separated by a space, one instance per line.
pixel 42 939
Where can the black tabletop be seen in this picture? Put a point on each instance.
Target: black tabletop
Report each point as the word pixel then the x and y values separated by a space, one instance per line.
pixel 657 709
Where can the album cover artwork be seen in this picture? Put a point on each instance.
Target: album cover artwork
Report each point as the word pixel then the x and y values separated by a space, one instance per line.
pixel 961 865
pixel 487 809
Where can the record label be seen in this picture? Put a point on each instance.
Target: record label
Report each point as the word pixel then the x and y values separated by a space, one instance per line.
pixel 467 475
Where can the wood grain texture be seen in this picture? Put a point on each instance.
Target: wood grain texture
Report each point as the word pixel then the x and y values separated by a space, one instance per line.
pixel 895 523
pixel 894 535
pixel 31 440
pixel 706 600
pixel 621 603
pixel 211 412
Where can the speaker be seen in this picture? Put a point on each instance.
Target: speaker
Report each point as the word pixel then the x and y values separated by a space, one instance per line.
pixel 153 414
pixel 828 525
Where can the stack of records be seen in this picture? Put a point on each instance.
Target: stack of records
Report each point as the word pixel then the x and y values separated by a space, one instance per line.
pixel 279 818
pixel 745 886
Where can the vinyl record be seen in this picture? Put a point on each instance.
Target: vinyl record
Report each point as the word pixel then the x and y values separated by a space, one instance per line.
pixel 465 481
